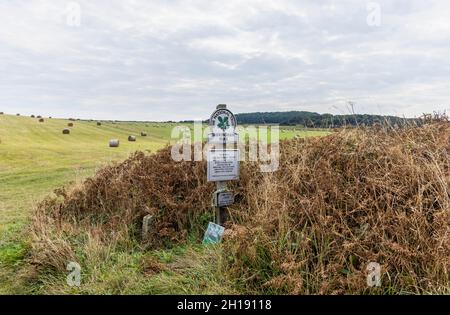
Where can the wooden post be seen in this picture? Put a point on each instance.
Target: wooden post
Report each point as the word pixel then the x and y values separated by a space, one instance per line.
pixel 224 120
pixel 221 212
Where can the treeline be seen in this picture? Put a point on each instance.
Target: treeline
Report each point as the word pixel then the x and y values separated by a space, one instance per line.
pixel 315 120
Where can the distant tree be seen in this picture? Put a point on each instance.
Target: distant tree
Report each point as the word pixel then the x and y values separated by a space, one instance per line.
pixel 311 119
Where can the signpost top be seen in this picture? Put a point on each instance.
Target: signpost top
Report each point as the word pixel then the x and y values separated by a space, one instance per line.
pixel 222 121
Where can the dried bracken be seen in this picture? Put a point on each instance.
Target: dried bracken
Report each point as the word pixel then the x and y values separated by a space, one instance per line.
pixel 338 203
pixel 335 204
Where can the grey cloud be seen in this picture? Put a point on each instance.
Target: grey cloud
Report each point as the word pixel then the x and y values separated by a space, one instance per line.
pixel 168 61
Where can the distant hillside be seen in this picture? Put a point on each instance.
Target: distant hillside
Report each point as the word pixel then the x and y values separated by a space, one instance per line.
pixel 310 119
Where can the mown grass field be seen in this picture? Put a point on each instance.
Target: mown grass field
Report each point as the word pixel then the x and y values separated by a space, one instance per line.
pixel 36 158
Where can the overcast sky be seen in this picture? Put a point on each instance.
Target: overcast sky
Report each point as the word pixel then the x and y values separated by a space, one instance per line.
pixel 174 60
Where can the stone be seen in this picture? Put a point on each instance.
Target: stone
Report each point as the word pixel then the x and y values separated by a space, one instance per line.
pixel 147 225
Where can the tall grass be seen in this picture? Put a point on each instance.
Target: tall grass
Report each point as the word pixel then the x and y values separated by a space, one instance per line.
pixel 335 204
pixel 338 203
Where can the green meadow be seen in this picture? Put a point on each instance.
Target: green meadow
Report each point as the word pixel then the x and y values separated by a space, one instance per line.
pixel 36 158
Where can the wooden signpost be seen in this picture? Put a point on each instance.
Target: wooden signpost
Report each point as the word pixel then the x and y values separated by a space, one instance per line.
pixel 223 161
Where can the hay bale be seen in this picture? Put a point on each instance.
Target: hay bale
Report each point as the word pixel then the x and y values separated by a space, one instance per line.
pixel 114 143
pixel 66 131
pixel 41 120
pixel 132 138
pixel 143 134
pixel 70 124
pixel 99 123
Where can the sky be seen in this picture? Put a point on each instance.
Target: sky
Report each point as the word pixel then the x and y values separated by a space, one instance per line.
pixel 176 60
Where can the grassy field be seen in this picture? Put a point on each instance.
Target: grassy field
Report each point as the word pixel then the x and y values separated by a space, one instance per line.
pixel 36 158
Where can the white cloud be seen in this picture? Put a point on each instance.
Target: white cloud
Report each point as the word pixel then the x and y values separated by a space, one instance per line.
pixel 176 60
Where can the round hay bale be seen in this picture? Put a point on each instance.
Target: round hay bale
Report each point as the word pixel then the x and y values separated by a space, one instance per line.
pixel 114 143
pixel 66 131
pixel 41 120
pixel 70 124
pixel 132 138
pixel 99 123
pixel 143 134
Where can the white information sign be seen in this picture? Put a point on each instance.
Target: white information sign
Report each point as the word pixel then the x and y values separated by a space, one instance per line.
pixel 223 165
pixel 221 138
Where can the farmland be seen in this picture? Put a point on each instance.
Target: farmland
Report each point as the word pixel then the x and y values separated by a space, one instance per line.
pixel 36 158
pixel 337 202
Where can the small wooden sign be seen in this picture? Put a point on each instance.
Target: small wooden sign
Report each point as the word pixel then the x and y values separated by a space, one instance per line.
pixel 224 199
